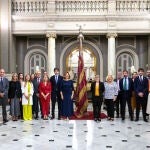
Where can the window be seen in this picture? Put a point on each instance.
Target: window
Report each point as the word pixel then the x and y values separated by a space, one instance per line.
pixel 124 62
pixel 37 62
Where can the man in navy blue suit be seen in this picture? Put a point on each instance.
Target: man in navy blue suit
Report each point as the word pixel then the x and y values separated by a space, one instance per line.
pixel 55 95
pixel 126 87
pixel 141 91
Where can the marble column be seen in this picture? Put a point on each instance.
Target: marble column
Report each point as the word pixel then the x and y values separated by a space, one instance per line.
pixel 5 34
pixel 111 54
pixel 51 62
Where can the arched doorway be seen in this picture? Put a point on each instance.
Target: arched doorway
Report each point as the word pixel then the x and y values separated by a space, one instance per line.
pixel 89 63
pixel 125 59
pixel 89 46
pixel 35 60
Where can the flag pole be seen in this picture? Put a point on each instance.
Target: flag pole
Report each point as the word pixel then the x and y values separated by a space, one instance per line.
pixel 81 38
pixel 81 90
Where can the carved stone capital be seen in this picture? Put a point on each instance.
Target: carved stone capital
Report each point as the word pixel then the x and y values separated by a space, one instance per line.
pixel 111 35
pixel 51 35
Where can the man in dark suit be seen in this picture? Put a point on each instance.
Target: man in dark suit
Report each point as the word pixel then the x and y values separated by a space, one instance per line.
pixel 141 92
pixel 36 81
pixel 97 89
pixel 55 95
pixel 4 86
pixel 118 100
pixel 126 88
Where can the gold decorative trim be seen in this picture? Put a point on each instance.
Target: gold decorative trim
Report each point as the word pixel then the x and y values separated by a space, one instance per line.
pixel 111 35
pixel 51 35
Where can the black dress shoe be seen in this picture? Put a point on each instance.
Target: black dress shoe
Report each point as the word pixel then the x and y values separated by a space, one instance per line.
pixel 131 119
pixel 5 120
pixel 136 119
pixel 123 118
pixel 95 119
pixel 145 120
pixel 99 120
pixel 52 118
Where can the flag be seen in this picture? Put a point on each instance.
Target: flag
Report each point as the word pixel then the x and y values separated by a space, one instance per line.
pixel 81 90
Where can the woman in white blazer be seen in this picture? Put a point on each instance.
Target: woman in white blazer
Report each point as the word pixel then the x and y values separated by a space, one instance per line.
pixel 27 100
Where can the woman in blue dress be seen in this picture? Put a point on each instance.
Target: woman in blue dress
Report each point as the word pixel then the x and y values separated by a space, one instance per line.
pixel 67 93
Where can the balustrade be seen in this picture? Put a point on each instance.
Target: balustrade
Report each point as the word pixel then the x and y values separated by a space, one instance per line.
pixel 98 7
pixel 24 7
pixel 81 6
pixel 132 6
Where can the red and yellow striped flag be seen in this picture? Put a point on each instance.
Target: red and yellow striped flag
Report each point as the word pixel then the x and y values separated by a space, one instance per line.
pixel 81 91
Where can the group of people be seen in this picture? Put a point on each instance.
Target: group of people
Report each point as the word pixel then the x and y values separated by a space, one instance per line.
pixel 26 94
pixel 117 92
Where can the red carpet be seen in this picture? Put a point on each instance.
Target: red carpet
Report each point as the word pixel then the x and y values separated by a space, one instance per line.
pixel 89 116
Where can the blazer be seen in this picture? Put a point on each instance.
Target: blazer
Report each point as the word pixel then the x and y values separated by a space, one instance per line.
pixel 56 86
pixel 141 86
pixel 4 88
pixel 101 88
pixel 36 85
pixel 14 89
pixel 130 86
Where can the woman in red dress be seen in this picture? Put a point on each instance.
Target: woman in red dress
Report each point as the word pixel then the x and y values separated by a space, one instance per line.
pixel 45 95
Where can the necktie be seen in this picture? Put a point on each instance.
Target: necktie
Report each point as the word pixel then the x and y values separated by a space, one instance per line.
pixel 38 80
pixel 125 84
pixel 2 82
pixel 56 78
pixel 141 78
pixel 149 85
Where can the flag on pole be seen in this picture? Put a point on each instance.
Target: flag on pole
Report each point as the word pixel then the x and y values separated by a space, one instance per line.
pixel 81 90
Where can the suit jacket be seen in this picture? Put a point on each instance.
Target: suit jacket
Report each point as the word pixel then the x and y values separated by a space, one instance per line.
pixel 141 86
pixel 56 86
pixel 4 88
pixel 130 86
pixel 14 89
pixel 101 89
pixel 36 85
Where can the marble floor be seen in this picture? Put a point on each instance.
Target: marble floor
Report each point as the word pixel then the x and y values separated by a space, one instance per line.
pixel 75 134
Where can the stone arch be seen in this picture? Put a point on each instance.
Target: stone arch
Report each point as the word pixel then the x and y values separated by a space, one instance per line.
pixel 29 54
pixel 132 53
pixel 65 49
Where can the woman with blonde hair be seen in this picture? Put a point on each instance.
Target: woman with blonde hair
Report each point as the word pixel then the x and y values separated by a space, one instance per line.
pixel 110 96
pixel 14 97
pixel 45 89
pixel 27 101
